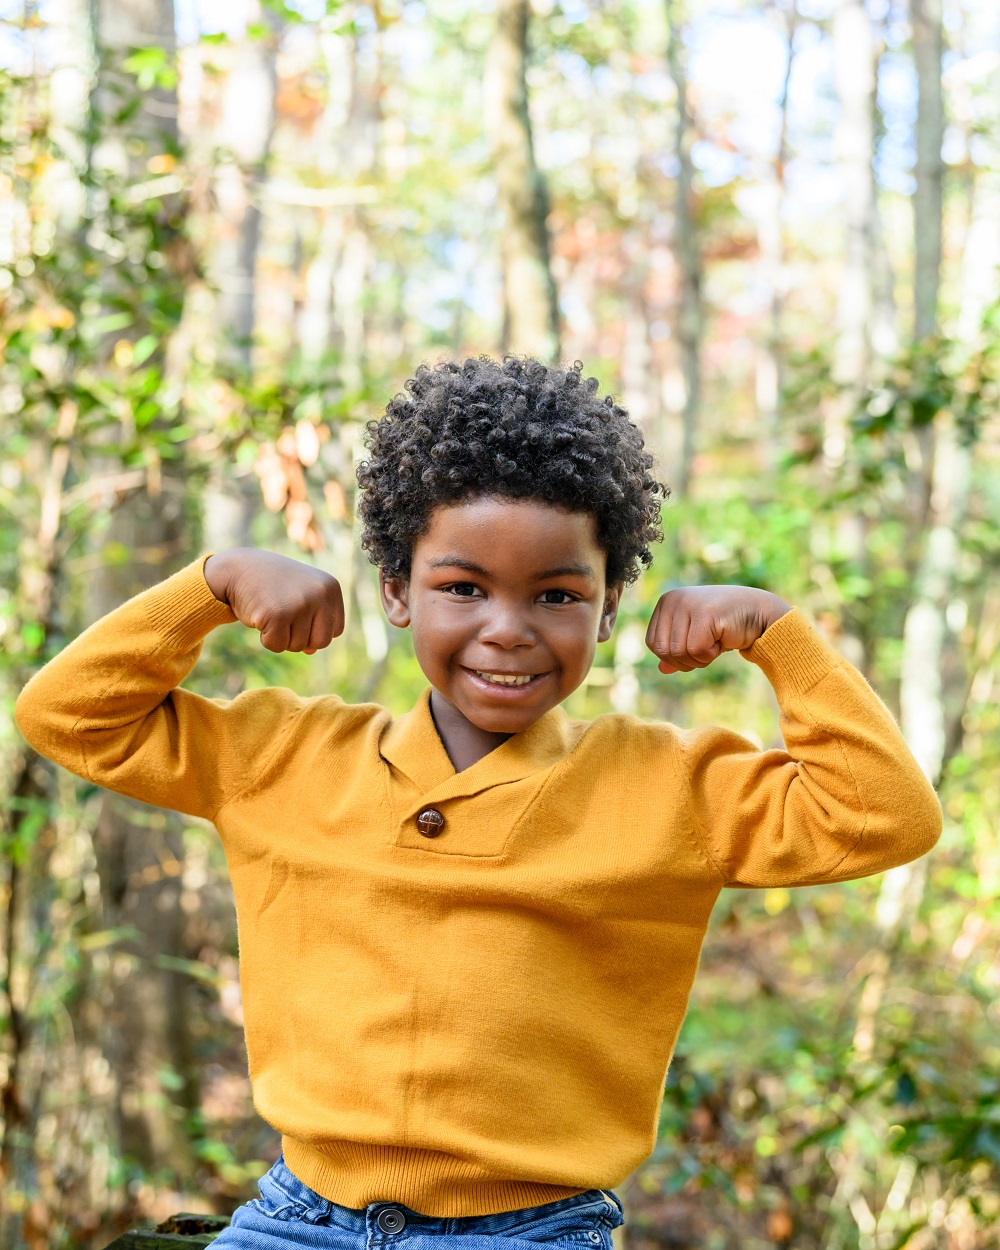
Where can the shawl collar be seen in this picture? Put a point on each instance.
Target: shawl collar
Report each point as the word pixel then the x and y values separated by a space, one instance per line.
pixel 412 745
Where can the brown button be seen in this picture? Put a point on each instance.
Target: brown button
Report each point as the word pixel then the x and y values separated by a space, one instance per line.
pixel 430 822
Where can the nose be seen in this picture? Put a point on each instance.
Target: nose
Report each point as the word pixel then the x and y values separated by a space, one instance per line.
pixel 506 626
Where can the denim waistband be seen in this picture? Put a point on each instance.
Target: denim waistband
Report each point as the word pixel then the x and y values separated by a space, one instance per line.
pixel 279 1186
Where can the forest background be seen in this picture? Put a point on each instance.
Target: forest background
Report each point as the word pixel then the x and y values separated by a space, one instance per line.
pixel 228 233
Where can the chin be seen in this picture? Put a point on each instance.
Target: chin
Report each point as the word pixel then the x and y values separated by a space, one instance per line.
pixel 503 720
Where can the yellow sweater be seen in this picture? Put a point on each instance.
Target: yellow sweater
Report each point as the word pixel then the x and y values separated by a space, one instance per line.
pixel 481 1020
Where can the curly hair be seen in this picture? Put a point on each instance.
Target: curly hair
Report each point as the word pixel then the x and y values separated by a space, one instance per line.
pixel 516 430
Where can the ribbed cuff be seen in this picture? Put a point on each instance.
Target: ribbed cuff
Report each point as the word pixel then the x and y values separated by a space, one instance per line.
pixel 183 609
pixel 354 1174
pixel 792 655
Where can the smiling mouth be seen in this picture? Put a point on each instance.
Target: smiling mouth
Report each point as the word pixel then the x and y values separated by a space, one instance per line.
pixel 505 679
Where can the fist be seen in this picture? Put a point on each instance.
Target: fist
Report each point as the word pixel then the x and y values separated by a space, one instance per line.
pixel 294 606
pixel 692 627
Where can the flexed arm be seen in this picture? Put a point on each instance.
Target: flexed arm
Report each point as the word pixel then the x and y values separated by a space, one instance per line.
pixel 844 799
pixel 108 706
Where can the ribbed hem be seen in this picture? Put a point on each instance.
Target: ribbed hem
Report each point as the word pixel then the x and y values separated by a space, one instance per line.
pixel 792 655
pixel 183 609
pixel 354 1174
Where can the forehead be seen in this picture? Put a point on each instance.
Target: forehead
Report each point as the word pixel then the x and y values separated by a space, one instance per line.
pixel 513 535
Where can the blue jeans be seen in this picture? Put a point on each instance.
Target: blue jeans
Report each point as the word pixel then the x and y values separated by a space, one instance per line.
pixel 290 1214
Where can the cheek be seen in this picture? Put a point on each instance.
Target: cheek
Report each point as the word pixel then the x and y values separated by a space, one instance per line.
pixel 576 641
pixel 436 630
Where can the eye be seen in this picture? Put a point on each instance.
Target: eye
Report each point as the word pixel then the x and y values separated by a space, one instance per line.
pixel 561 597
pixel 464 590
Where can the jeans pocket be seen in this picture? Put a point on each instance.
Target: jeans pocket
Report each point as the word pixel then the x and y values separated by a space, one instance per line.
pixel 284 1197
pixel 586 1224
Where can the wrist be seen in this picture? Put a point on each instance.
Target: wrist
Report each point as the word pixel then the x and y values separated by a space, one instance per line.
pixel 773 608
pixel 216 570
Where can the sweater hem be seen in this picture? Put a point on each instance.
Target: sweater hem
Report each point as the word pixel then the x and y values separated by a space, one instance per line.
pixel 355 1174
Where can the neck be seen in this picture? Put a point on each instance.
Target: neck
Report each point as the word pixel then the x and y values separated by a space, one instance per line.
pixel 465 742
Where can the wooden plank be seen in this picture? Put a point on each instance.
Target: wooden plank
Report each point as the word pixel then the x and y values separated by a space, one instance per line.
pixel 186 1223
pixel 152 1240
pixel 180 1232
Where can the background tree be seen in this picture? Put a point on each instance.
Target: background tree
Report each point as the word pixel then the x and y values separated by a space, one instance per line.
pixel 531 319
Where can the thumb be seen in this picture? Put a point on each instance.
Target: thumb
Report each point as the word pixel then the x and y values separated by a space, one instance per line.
pixel 275 637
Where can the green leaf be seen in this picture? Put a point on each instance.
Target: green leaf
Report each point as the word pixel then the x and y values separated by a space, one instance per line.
pixel 144 349
pixel 152 67
pixel 169 1079
pixel 109 323
pixel 32 635
pixel 191 967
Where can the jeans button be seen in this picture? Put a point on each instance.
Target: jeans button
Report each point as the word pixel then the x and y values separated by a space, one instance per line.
pixel 391 1221
pixel 595 1236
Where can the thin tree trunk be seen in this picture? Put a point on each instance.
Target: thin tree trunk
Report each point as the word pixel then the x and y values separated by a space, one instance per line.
pixel 531 318
pixel 925 20
pixel 245 132
pixel 945 486
pixel 854 54
pixel 332 318
pixel 855 71
pixel 689 319
pixel 38 571
pixel 772 256
pixel 120 26
pixel 946 462
pixel 640 384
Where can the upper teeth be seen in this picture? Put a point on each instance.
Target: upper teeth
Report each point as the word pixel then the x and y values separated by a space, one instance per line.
pixel 505 679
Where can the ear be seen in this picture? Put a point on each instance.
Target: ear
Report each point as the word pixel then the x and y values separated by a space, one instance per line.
pixel 395 592
pixel 609 612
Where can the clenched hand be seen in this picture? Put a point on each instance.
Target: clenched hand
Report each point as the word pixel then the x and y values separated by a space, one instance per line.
pixel 692 627
pixel 294 606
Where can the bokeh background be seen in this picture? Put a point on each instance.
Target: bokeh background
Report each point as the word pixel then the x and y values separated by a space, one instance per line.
pixel 228 234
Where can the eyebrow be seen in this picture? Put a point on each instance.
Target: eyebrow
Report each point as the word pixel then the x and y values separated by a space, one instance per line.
pixel 563 570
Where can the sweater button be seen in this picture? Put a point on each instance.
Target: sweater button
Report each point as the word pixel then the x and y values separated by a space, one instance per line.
pixel 430 822
pixel 391 1220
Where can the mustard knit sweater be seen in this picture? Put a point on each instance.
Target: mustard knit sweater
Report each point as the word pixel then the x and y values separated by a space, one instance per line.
pixel 480 1021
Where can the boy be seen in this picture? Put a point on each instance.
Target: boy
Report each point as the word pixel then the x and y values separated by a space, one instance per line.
pixel 467 935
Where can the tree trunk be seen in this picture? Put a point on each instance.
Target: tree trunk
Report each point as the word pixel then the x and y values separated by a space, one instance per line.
pixel 689 320
pixel 245 131
pixel 38 568
pixel 120 26
pixel 140 860
pixel 531 319
pixel 332 318
pixel 925 20
pixel 945 461
pixel 855 70
pixel 772 258
pixel 140 850
pixel 945 485
pixel 854 54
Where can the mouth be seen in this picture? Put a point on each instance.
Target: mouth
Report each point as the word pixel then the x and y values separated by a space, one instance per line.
pixel 504 683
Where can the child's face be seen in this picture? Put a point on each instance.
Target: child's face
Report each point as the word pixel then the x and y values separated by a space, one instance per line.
pixel 511 588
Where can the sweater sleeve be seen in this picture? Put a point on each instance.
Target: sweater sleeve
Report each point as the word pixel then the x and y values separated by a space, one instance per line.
pixel 107 707
pixel 845 799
